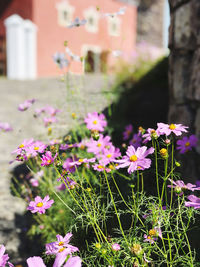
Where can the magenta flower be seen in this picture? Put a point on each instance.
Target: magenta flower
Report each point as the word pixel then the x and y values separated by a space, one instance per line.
pixel 3 257
pixel 135 159
pixel 136 141
pixel 128 131
pixel 47 159
pixel 187 143
pixel 34 182
pixel 40 205
pixel 180 186
pixel 5 127
pixel 67 164
pixel 193 202
pixel 148 135
pixel 62 244
pixel 115 247
pixel 95 121
pixel 167 129
pixel 27 104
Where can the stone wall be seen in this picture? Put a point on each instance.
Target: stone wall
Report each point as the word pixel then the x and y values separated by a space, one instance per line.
pixel 184 72
pixel 150 22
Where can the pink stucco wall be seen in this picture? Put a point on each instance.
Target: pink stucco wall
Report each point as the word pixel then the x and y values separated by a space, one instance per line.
pixel 51 36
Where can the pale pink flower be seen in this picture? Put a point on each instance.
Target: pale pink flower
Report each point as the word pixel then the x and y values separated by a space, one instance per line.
pixel 5 127
pixel 167 129
pixel 67 164
pixel 193 202
pixel 135 159
pixel 27 104
pixel 35 261
pixel 22 148
pixel 35 148
pixel 97 147
pixel 49 121
pixel 3 257
pixel 180 186
pixel 82 161
pixel 110 155
pixel 40 205
pixel 61 245
pixel 95 121
pixel 149 133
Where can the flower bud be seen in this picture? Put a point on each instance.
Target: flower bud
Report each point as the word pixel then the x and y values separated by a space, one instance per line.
pixel 95 135
pixel 115 247
pixel 98 245
pixel 137 249
pixel 178 190
pixel 164 153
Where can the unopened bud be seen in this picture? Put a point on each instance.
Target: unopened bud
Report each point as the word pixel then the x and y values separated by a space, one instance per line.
pixel 164 153
pixel 136 249
pixel 95 135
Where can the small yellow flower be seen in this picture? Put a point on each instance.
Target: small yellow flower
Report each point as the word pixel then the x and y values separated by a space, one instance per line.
pixel 98 245
pixel 73 115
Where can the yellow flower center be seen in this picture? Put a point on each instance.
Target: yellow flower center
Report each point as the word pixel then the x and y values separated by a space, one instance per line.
pixel 36 147
pixel 39 204
pixel 187 144
pixel 95 122
pixel 60 243
pixel 153 131
pixel 133 158
pixel 49 161
pixel 80 160
pixel 152 232
pixel 109 156
pixel 99 144
pixel 21 146
pixel 61 250
pixel 100 167
pixel 111 167
pixel 172 126
pixel 82 147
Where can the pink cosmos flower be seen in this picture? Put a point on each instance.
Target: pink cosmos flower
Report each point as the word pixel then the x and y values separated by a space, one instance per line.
pixel 5 127
pixel 187 143
pixel 3 257
pixel 62 244
pixel 95 121
pixel 180 186
pixel 193 202
pixel 47 159
pixel 35 261
pixel 109 155
pixel 40 205
pixel 70 184
pixel 55 142
pixel 100 167
pixel 60 259
pixel 136 141
pixel 24 146
pixel 82 161
pixel 128 131
pixel 148 136
pixel 49 121
pixel 27 104
pixel 36 147
pixel 52 111
pixel 167 129
pixel 153 235
pixel 34 182
pixel 97 147
pixel 67 146
pixel 67 164
pixel 115 247
pixel 39 111
pixel 135 159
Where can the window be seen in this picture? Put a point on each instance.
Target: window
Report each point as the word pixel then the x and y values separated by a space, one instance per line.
pixel 92 17
pixel 114 26
pixel 65 13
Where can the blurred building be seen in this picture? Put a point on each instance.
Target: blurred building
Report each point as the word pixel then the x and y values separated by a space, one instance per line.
pixel 37 29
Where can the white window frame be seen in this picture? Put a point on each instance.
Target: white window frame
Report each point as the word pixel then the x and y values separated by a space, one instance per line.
pixel 117 21
pixel 84 50
pixel 91 12
pixel 62 7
